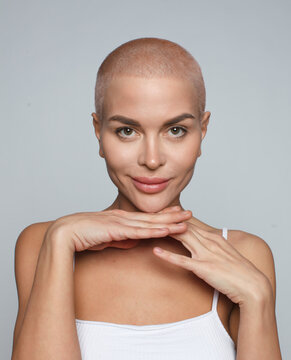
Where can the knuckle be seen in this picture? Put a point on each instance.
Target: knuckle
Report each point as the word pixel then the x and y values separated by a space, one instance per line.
pixel 217 237
pixel 183 260
pixel 137 231
pixel 212 245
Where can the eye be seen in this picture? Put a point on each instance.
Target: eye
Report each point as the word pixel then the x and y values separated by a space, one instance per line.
pixel 127 132
pixel 175 128
pixel 119 132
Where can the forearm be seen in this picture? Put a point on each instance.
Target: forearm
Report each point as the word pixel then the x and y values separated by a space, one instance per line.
pixel 257 334
pixel 48 330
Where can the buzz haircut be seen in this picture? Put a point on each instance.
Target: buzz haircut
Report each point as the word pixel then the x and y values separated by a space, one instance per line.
pixel 149 57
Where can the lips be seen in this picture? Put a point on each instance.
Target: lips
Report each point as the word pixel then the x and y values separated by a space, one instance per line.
pixel 150 185
pixel 152 180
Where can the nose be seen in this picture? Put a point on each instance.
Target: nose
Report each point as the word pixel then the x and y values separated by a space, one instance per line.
pixel 151 153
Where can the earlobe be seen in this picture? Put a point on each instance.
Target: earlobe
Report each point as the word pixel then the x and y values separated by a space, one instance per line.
pixel 100 151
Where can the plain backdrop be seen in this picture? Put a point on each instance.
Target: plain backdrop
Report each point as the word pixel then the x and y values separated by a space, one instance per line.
pixel 50 166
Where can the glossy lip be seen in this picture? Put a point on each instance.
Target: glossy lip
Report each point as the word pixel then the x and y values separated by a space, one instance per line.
pixel 150 188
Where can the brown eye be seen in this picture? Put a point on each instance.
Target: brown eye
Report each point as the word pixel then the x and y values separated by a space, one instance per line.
pixel 177 130
pixel 126 133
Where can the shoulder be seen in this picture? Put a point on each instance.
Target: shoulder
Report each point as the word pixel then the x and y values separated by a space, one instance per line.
pixel 256 250
pixel 27 248
pixel 32 235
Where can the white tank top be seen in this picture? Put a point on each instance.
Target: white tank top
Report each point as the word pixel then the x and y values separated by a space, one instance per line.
pixel 202 337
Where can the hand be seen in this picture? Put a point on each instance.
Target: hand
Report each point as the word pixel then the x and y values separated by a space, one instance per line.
pixel 130 243
pixel 95 230
pixel 217 262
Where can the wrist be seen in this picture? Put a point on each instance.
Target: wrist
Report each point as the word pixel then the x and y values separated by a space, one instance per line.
pixel 58 237
pixel 260 297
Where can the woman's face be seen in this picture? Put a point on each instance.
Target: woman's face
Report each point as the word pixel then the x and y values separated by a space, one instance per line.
pixel 150 147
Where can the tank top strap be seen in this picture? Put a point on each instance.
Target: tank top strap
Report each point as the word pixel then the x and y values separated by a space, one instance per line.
pixel 74 262
pixel 224 232
pixel 216 292
pixel 215 300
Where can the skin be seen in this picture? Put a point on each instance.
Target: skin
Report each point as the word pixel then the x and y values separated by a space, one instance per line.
pixel 152 149
pixel 175 277
pixel 155 150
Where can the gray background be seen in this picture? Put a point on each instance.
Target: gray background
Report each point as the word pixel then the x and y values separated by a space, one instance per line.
pixel 50 165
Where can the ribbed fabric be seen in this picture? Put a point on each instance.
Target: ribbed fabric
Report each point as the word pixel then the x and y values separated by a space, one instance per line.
pixel 202 337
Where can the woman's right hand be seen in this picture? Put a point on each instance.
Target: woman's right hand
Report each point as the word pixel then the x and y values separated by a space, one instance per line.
pixel 98 230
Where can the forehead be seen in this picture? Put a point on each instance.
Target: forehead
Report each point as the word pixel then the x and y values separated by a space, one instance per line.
pixel 137 97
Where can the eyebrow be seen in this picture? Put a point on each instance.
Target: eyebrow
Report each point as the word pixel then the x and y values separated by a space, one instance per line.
pixel 128 121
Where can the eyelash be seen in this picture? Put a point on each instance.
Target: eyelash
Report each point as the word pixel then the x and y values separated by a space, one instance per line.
pixel 117 131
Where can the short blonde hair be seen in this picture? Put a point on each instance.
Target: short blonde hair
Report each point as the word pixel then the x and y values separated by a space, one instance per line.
pixel 148 58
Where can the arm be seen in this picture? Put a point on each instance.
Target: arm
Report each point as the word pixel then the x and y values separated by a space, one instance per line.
pixel 47 330
pixel 257 334
pixel 256 328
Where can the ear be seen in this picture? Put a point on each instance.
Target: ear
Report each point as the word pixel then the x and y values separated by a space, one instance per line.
pixel 203 125
pixel 97 127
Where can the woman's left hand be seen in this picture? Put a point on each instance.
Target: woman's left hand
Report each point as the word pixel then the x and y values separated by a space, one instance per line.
pixel 218 263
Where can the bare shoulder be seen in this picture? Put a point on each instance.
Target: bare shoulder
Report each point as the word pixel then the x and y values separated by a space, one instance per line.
pixel 26 253
pixel 256 250
pixel 32 234
pixel 27 248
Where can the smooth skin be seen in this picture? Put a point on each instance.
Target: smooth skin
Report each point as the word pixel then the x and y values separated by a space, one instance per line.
pixel 48 311
pixel 146 149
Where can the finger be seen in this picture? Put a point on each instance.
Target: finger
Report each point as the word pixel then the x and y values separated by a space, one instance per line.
pixel 173 226
pixel 210 235
pixel 191 242
pixel 202 235
pixel 222 246
pixel 135 232
pixel 197 266
pixel 166 217
pixel 177 259
pixel 171 208
pixel 211 241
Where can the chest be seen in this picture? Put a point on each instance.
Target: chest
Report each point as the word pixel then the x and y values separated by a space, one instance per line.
pixel 128 287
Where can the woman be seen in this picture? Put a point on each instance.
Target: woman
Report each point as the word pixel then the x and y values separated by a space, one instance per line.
pixel 209 294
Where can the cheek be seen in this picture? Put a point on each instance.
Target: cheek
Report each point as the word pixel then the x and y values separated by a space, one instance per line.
pixel 186 155
pixel 118 156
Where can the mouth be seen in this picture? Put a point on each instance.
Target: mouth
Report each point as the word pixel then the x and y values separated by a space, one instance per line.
pixel 150 185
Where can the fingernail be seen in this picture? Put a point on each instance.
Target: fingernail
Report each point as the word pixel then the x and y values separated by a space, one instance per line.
pixel 174 208
pixel 158 250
